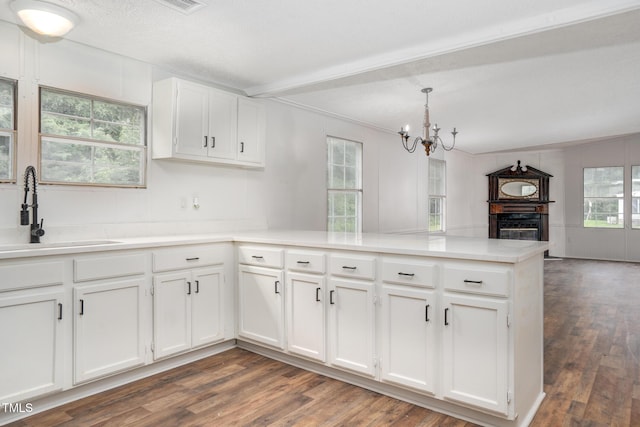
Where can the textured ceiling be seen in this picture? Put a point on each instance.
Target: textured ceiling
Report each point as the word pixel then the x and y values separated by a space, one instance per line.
pixel 509 74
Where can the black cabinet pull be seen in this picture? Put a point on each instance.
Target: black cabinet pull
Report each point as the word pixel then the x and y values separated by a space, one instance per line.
pixel 213 142
pixel 346 267
pixel 81 307
pixel 59 311
pixel 277 282
pixel 303 262
pixel 193 259
pixel 205 140
pixel 477 282
pixel 317 294
pixel 188 288
pixel 406 274
pixel 197 286
pixel 426 313
pixel 446 320
pixel 242 147
pixel 257 257
pixel 331 297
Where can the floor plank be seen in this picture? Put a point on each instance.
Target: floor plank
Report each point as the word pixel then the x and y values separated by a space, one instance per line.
pixel 591 374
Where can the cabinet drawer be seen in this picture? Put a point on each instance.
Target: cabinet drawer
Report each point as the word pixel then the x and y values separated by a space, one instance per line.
pixel 24 275
pixel 410 272
pixel 348 265
pixel 477 280
pixel 301 260
pixel 182 257
pixel 262 256
pixel 108 266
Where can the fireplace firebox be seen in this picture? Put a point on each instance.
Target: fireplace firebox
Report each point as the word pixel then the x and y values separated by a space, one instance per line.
pixel 519 203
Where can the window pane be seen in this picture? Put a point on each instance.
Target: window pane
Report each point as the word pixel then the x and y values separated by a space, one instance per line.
pixel 6 156
pixel 99 127
pixel 436 177
pixel 635 196
pixel 6 104
pixel 79 162
pixel 436 217
pixel 344 185
pixel 604 197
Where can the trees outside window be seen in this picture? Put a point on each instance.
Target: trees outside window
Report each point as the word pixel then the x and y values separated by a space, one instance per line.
pixel 604 197
pixel 7 129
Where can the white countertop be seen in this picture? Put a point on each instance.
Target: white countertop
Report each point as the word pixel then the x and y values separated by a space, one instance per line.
pixel 482 249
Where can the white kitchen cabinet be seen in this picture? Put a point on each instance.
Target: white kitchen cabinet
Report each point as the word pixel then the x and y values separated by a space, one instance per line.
pixel 188 310
pixel 261 305
pixel 306 317
pixel 352 325
pixel 108 328
pixel 408 334
pixel 477 356
pixel 194 122
pixel 31 360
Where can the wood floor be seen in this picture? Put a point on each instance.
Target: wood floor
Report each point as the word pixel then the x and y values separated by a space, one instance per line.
pixel 592 374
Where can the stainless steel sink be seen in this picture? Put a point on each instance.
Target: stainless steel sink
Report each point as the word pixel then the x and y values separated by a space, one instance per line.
pixel 70 244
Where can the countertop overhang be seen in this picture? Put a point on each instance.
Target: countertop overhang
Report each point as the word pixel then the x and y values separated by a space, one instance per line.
pixel 419 244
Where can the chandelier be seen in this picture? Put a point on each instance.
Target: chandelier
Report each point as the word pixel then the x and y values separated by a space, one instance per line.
pixel 430 143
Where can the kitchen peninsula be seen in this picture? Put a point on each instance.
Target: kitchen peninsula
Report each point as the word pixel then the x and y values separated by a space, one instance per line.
pixel 453 324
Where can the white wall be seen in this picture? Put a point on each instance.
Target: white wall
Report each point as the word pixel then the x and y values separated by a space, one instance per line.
pixel 289 193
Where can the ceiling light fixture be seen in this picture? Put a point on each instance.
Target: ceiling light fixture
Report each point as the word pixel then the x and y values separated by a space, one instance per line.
pixel 430 143
pixel 45 18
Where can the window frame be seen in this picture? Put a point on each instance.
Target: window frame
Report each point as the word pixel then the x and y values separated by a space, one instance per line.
pixel 620 219
pixel 440 199
pixel 96 143
pixel 12 133
pixel 635 199
pixel 357 190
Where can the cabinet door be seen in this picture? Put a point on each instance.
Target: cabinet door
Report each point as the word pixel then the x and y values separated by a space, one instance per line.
pixel 408 336
pixel 31 356
pixel 250 131
pixel 475 351
pixel 107 328
pixel 305 315
pixel 171 313
pixel 352 320
pixel 222 125
pixel 206 306
pixel 261 314
pixel 192 120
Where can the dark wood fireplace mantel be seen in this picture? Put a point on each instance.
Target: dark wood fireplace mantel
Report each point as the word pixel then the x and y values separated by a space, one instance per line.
pixel 519 203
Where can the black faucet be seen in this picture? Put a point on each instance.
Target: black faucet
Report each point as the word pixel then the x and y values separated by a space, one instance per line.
pixel 36 229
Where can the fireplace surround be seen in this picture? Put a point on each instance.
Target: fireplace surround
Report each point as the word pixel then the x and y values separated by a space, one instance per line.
pixel 519 203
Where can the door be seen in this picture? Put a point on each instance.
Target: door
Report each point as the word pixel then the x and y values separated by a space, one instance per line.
pixel 222 125
pixel 352 320
pixel 261 310
pixel 408 335
pixel 475 351
pixel 107 328
pixel 206 306
pixel 306 315
pixel 171 313
pixel 31 357
pixel 192 120
pixel 250 131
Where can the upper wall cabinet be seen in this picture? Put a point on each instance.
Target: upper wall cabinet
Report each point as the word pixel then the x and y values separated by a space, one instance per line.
pixel 197 123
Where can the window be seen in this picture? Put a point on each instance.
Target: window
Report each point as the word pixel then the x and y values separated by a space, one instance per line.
pixel 635 196
pixel 437 195
pixel 604 197
pixel 7 128
pixel 88 140
pixel 344 184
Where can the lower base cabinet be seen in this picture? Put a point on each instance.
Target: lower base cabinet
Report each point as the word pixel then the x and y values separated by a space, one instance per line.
pixel 306 315
pixel 475 351
pixel 107 328
pixel 261 305
pixel 408 337
pixel 32 351
pixel 352 325
pixel 187 310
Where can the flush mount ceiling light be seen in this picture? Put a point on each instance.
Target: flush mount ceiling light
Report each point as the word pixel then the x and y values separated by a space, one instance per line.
pixel 44 18
pixel 430 143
